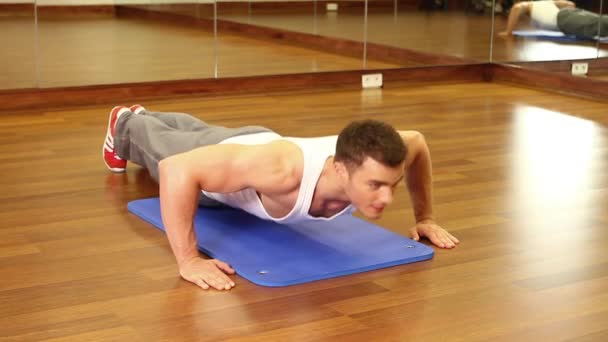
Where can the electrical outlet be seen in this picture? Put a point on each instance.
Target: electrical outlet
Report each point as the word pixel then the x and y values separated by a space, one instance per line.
pixel 331 7
pixel 371 81
pixel 579 69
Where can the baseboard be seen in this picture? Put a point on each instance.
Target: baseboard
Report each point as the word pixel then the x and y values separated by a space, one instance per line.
pixel 596 65
pixel 134 92
pixel 17 10
pixel 550 81
pixel 121 93
pixel 75 12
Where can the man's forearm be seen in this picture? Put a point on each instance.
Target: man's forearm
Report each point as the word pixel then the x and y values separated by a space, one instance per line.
pixel 178 200
pixel 514 16
pixel 419 182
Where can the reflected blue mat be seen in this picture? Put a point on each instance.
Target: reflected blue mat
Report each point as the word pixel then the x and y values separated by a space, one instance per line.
pixel 553 35
pixel 271 254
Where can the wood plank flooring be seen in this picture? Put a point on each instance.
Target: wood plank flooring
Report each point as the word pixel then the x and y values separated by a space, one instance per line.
pixel 520 176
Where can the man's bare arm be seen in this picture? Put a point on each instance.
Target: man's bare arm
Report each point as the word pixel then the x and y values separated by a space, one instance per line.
pixel 217 168
pixel 419 181
pixel 419 175
pixel 516 12
pixel 564 4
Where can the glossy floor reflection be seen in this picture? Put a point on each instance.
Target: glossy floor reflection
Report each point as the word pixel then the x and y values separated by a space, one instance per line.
pixel 555 162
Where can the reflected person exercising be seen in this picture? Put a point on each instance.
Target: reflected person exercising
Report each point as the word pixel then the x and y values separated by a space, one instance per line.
pixel 558 15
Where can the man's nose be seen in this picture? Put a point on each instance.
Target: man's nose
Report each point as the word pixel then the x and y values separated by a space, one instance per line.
pixel 387 195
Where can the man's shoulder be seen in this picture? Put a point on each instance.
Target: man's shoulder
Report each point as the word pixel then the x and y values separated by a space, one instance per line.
pixel 287 160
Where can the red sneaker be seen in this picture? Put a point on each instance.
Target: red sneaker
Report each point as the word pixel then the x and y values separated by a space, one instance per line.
pixel 112 160
pixel 137 109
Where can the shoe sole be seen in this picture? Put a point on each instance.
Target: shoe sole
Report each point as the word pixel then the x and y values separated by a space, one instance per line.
pixel 103 147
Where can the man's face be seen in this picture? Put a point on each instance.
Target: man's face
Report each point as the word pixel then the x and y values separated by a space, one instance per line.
pixel 370 187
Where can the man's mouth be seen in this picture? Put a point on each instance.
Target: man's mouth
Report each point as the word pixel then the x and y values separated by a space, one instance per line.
pixel 378 209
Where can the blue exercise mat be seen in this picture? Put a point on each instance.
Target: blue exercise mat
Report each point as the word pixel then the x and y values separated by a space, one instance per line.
pixel 271 254
pixel 553 35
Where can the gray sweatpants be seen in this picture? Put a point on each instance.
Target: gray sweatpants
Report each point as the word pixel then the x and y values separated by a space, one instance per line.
pixel 149 137
pixel 581 23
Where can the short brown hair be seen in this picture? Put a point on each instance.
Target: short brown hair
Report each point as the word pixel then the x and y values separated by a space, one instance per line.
pixel 370 138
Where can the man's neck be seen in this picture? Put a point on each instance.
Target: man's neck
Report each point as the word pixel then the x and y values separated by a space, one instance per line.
pixel 329 197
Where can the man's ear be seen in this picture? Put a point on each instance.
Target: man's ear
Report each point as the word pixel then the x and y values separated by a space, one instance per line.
pixel 341 170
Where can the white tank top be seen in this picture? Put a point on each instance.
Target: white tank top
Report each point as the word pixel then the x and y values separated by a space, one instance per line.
pixel 544 14
pixel 315 151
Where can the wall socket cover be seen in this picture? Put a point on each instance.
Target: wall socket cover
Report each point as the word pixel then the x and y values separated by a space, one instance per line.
pixel 580 68
pixel 371 81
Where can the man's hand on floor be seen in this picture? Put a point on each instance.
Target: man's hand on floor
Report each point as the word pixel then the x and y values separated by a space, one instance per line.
pixel 438 236
pixel 208 273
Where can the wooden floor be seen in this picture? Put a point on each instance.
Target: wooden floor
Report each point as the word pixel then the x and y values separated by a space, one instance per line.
pixel 521 178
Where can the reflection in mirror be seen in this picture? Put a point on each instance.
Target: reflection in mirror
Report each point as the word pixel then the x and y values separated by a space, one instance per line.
pixel 262 37
pixel 549 30
pixel 430 32
pixel 18 41
pixel 601 70
pixel 242 47
pixel 89 42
